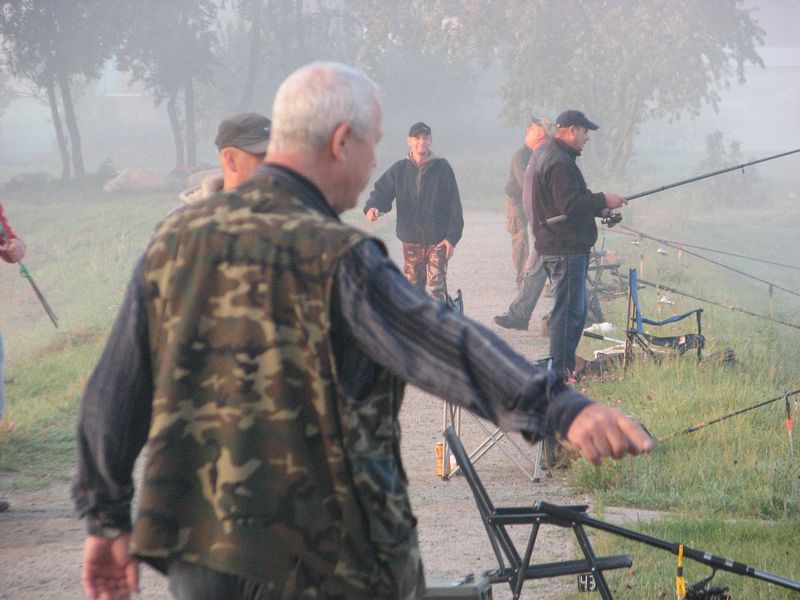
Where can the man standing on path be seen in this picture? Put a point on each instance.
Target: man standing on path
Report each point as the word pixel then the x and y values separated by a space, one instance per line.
pixel 242 142
pixel 12 250
pixel 521 308
pixel 429 215
pixel 560 189
pixel 261 351
pixel 516 221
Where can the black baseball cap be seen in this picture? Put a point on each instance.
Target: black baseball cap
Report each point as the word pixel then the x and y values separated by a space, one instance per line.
pixel 419 128
pixel 568 118
pixel 246 131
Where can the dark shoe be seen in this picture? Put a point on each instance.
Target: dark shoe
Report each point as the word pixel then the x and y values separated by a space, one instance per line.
pixel 508 322
pixel 4 506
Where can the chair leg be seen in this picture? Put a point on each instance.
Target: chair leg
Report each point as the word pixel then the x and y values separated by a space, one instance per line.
pixel 526 560
pixel 588 552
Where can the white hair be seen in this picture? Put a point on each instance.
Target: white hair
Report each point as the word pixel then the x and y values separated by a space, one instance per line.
pixel 316 99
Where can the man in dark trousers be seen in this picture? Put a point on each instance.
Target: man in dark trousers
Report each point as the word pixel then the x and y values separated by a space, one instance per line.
pixel 534 276
pixel 429 215
pixel 559 189
pixel 261 352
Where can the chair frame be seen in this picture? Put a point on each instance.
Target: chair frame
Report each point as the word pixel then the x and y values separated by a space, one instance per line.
pixel 515 568
pixel 636 336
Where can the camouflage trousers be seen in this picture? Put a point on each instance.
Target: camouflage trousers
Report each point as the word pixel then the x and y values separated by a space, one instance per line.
pixel 517 226
pixel 425 266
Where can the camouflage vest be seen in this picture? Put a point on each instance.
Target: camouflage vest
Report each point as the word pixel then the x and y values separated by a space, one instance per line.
pixel 258 463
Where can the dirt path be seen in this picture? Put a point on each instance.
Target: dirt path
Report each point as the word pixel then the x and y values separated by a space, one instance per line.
pixel 41 541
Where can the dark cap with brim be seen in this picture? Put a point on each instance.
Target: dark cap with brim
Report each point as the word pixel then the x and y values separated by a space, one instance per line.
pixel 419 128
pixel 246 131
pixel 568 118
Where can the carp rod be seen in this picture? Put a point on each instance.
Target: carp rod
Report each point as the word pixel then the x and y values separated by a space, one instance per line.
pixel 658 286
pixel 669 244
pixel 614 217
pixel 785 397
pixel 570 518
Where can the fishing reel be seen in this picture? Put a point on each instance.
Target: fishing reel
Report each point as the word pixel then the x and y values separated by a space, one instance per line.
pixel 702 591
pixel 612 219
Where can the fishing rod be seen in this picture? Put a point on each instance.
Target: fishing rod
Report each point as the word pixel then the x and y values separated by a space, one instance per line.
pixel 23 270
pixel 614 217
pixel 571 518
pixel 658 286
pixel 682 245
pixel 711 260
pixel 785 397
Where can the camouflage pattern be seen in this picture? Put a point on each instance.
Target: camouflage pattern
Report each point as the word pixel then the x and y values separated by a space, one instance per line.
pixel 425 267
pixel 258 463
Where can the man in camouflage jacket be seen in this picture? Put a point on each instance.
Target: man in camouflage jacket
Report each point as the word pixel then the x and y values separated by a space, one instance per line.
pixel 261 353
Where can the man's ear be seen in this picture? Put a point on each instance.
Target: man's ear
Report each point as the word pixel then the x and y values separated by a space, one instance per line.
pixel 227 156
pixel 339 140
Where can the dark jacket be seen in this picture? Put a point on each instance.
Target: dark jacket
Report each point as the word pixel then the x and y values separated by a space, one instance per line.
pixel 428 202
pixel 559 189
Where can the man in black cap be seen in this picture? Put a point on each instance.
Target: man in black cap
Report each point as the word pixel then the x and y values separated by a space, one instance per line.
pixel 559 189
pixel 242 141
pixel 429 215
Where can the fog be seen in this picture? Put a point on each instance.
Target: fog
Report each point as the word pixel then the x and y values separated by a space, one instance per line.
pixel 472 70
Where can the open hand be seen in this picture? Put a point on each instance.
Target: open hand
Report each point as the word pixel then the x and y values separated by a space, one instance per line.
pixel 109 571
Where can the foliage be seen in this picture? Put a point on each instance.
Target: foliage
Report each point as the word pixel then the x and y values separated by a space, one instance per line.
pixel 731 189
pixel 53 45
pixel 168 46
pixel 625 62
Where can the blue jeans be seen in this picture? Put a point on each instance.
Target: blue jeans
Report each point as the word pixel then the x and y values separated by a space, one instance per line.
pixel 521 307
pixel 567 275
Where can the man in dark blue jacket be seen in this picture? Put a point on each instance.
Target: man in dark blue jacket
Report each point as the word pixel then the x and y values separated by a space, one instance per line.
pixel 429 215
pixel 559 189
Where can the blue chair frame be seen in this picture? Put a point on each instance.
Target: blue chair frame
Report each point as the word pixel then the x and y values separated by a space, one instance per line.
pixel 636 336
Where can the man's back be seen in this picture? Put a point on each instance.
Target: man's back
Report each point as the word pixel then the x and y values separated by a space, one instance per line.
pixel 240 285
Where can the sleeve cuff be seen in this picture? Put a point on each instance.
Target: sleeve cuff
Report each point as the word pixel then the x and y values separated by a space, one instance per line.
pixel 564 405
pixel 100 525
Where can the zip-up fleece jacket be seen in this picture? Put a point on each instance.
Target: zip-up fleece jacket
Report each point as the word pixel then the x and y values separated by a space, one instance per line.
pixel 560 189
pixel 428 202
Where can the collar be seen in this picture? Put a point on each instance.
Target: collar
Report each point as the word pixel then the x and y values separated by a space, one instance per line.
pixel 566 147
pixel 299 186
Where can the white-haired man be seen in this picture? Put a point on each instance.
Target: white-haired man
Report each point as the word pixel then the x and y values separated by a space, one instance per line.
pixel 261 351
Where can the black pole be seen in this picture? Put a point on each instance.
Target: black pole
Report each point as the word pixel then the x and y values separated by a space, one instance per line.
pixel 560 218
pixel 694 428
pixel 706 558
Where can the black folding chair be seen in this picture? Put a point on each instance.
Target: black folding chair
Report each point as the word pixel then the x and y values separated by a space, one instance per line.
pixel 636 336
pixel 514 568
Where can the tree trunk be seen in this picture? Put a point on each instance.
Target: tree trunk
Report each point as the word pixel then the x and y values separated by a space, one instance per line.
pixel 191 141
pixel 72 126
pixel 256 13
pixel 175 123
pixel 62 141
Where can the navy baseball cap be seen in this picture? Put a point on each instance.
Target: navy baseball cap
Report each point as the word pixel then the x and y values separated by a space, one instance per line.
pixel 419 128
pixel 568 118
